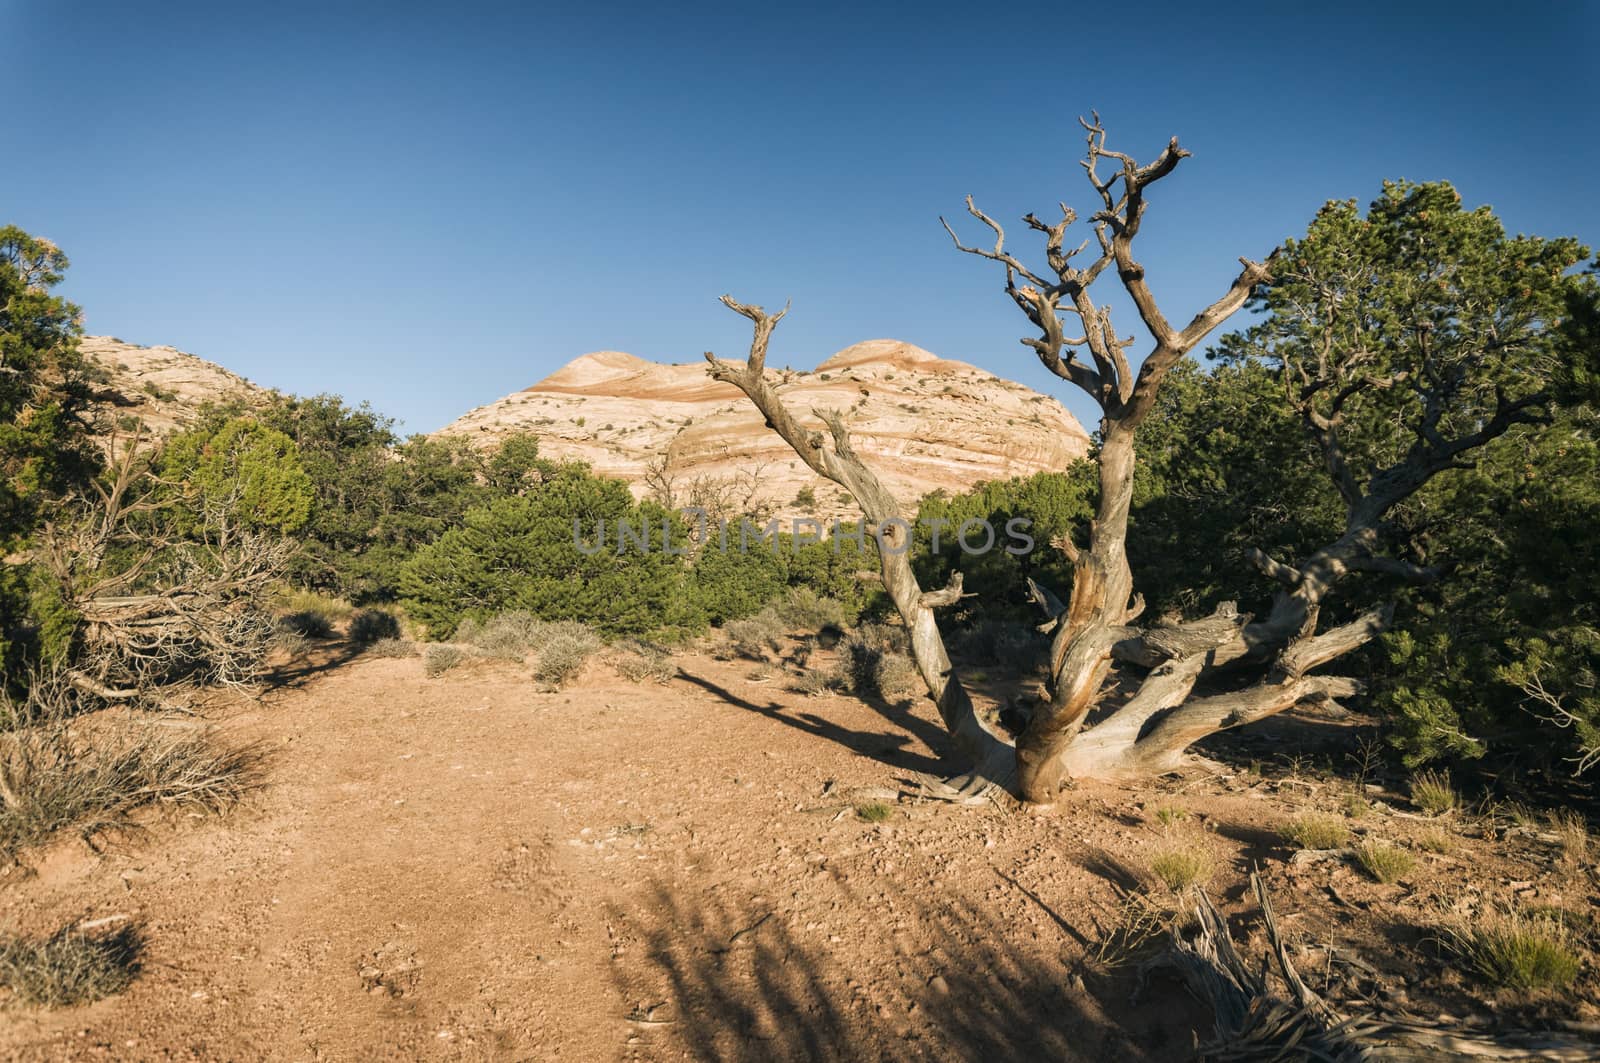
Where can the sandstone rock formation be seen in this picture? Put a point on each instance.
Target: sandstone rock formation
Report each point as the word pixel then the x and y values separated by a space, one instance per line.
pixel 922 421
pixel 161 386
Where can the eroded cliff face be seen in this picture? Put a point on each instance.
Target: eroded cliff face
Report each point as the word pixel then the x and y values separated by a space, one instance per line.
pixel 922 422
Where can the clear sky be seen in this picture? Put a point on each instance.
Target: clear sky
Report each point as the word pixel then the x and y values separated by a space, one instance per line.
pixel 430 205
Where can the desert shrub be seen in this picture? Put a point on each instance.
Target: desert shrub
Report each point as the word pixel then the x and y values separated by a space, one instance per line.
pixel 245 465
pixel 1431 791
pixel 563 653
pixel 804 610
pixel 304 601
pixel 90 778
pixel 522 553
pixel 1383 861
pixel 875 662
pixel 371 625
pixel 1515 951
pixel 1436 840
pixel 753 636
pixel 1137 924
pixel 393 648
pixel 732 584
pixel 307 624
pixel 71 966
pixel 1180 867
pixel 638 661
pixel 1316 831
pixel 511 635
pixel 439 658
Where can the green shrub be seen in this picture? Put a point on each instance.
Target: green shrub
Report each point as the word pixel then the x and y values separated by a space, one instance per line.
pixel 1516 951
pixel 372 625
pixel 251 469
pixel 71 966
pixel 521 553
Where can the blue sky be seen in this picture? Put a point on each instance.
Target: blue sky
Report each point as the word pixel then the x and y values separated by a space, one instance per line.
pixel 429 206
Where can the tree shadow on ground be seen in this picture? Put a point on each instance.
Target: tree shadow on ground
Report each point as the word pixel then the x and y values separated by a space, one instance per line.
pixel 324 656
pixel 729 981
pixel 886 747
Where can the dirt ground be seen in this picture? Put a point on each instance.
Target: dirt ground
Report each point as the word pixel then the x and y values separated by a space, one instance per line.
pixel 462 868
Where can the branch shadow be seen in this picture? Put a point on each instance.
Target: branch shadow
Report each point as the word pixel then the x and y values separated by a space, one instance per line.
pixel 737 982
pixel 296 673
pixel 883 746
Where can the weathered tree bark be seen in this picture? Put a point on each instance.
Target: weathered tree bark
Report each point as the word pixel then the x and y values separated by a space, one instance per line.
pixel 884 516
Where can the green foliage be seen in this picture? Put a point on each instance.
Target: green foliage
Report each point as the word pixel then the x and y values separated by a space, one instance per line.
pixel 524 552
pixel 1054 503
pixel 1384 862
pixel 245 467
pixel 44 448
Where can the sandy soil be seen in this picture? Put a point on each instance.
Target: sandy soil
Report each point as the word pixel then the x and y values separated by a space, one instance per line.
pixel 460 868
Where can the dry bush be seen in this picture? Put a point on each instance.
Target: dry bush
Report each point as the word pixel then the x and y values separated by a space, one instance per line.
pixel 804 610
pixel 1137 925
pixel 439 657
pixel 1431 791
pixel 1383 861
pixel 638 661
pixel 754 636
pixel 1436 840
pixel 372 625
pixel 1516 950
pixel 71 966
pixel 875 660
pixel 57 776
pixel 562 655
pixel 393 648
pixel 509 636
pixel 1316 831
pixel 1182 866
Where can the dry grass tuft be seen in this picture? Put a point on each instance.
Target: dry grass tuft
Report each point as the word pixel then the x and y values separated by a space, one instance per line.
pixel 1170 815
pixel 1384 862
pixel 1515 951
pixel 1431 791
pixel 393 648
pixel 54 776
pixel 873 812
pixel 70 966
pixel 1180 867
pixel 1572 831
pixel 1436 840
pixel 1315 830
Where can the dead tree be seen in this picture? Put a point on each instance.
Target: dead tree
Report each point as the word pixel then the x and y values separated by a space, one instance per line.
pixel 835 459
pixel 158 609
pixel 1251 668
